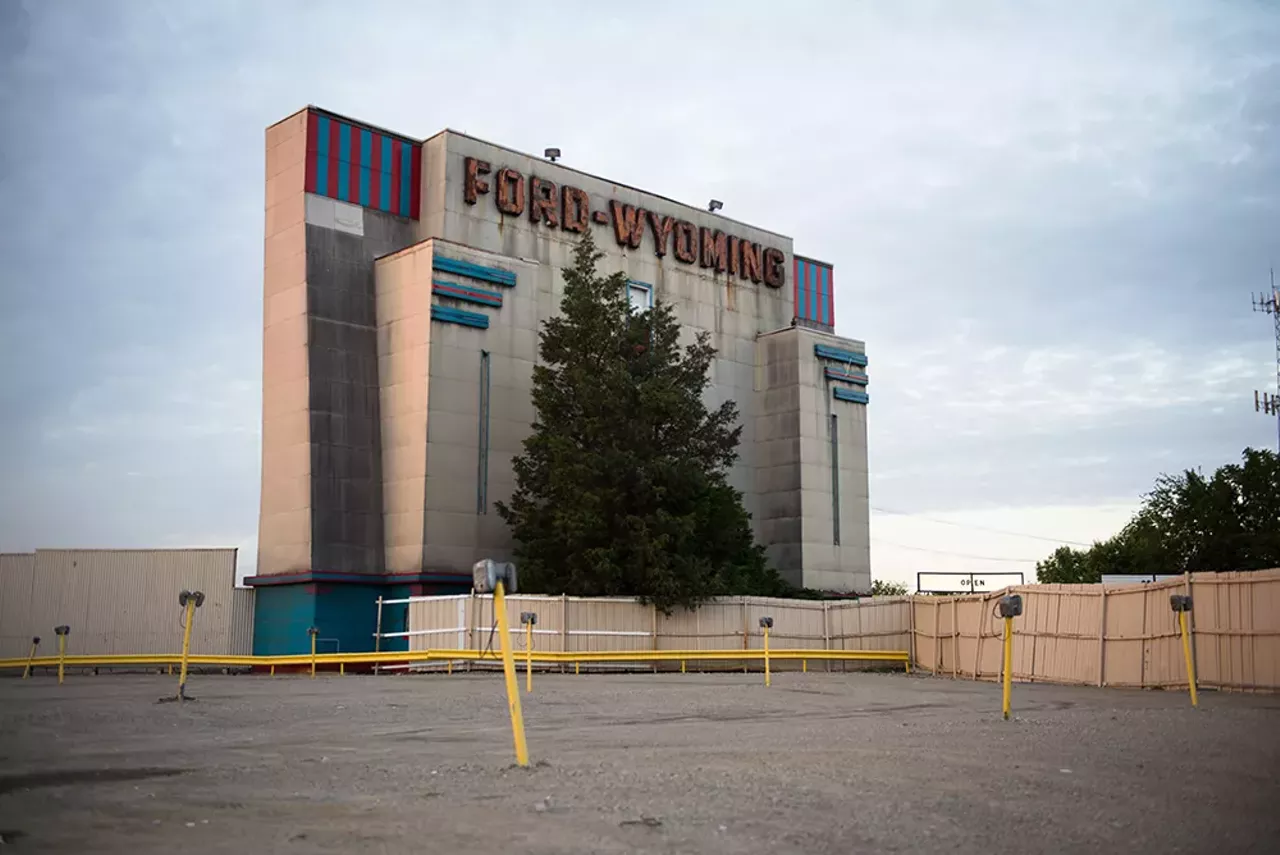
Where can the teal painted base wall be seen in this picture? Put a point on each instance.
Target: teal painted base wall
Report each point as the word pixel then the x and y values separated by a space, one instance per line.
pixel 345 613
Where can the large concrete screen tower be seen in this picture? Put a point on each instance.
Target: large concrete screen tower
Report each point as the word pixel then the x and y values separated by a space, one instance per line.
pixel 405 284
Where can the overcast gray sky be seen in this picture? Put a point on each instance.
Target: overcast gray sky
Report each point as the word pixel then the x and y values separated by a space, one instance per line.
pixel 1045 219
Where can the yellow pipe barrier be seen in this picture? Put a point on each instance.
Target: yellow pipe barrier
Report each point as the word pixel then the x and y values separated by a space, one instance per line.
pixel 528 657
pixel 314 632
pixel 26 672
pixel 443 656
pixel 509 675
pixel 62 656
pixel 186 647
pixel 1186 652
pixel 1008 663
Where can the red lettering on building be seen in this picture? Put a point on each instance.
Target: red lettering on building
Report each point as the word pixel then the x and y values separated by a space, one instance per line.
pixel 774 268
pixel 715 249
pixel 473 185
pixel 686 247
pixel 544 202
pixel 577 209
pixel 661 227
pixel 628 224
pixel 510 192
pixel 749 266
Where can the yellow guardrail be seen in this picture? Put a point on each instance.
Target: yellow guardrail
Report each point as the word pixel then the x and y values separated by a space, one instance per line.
pixel 542 658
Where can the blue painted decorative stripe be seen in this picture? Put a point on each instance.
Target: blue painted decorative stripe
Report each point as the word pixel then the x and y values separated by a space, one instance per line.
pixel 823 351
pixel 450 315
pixel 474 271
pixel 384 176
pixel 366 148
pixel 467 293
pixel 847 377
pixel 344 158
pixel 853 396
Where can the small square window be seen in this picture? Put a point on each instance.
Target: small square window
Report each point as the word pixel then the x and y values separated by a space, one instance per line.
pixel 639 296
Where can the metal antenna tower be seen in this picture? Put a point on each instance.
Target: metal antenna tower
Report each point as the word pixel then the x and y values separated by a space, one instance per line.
pixel 1263 401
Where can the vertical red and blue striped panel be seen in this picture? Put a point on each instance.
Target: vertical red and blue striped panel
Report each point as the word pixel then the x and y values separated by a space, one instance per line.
pixel 363 166
pixel 814 290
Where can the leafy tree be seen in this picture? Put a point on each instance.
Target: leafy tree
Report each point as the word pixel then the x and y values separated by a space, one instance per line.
pixel 1230 521
pixel 881 588
pixel 621 488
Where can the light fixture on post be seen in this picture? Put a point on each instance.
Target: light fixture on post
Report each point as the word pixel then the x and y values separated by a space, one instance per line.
pixel 766 624
pixel 714 205
pixel 551 154
pixel 1181 605
pixel 62 632
pixel 1010 607
pixel 528 620
pixel 489 576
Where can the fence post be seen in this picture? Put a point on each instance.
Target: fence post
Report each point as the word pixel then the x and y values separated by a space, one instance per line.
pixel 937 638
pixel 826 629
pixel 377 634
pixel 654 632
pixel 955 638
pixel 1102 639
pixel 1186 590
pixel 911 629
pixel 977 642
pixel 745 645
pixel 564 626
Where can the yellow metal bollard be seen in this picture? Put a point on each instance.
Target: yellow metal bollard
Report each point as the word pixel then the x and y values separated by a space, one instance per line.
pixel 273 671
pixel 766 623
pixel 62 632
pixel 576 672
pixel 1008 607
pixel 35 642
pixel 804 666
pixel 449 667
pixel 1008 664
pixel 190 607
pixel 528 657
pixel 342 668
pixel 681 666
pixel 509 675
pixel 1182 607
pixel 1186 652
pixel 313 632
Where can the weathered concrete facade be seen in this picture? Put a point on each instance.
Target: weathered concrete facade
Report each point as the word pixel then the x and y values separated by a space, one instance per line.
pixel 405 285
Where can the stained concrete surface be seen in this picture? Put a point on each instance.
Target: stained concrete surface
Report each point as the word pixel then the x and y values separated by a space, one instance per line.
pixel 819 763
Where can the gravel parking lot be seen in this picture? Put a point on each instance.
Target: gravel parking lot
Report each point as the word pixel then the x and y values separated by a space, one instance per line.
pixel 819 763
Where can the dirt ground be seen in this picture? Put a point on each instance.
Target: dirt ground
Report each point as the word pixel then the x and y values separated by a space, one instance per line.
pixel 819 763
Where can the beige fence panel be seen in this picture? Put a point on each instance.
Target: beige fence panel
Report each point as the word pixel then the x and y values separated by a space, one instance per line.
pixel 1110 635
pixel 1072 634
pixel 1237 620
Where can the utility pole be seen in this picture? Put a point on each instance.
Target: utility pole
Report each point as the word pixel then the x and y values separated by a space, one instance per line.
pixel 1265 402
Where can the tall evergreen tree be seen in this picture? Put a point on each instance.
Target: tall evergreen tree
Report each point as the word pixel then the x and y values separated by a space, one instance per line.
pixel 621 487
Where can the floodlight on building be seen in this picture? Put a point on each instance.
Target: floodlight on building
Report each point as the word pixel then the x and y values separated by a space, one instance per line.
pixel 714 205
pixel 551 154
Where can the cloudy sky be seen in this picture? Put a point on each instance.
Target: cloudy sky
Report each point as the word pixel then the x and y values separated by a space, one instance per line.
pixel 1045 218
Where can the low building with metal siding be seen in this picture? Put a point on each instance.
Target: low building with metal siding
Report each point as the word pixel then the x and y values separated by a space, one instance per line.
pixel 17 574
pixel 124 601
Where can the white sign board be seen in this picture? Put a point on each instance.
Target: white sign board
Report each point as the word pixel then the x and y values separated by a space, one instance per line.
pixel 965 583
pixel 1130 579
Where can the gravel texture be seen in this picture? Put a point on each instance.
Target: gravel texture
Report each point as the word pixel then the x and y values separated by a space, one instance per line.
pixel 818 763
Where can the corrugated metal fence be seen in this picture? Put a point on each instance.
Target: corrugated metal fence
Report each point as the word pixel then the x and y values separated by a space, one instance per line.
pixel 1075 634
pixel 122 601
pixel 573 624
pixel 1102 635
